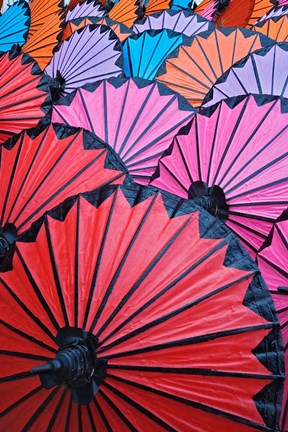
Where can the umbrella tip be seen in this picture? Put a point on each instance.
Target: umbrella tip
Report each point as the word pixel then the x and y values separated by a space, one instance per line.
pixel 49 368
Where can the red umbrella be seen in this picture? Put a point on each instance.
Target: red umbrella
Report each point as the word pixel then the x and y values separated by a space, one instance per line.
pixel 234 156
pixel 24 93
pixel 136 117
pixel 272 261
pixel 41 168
pixel 117 280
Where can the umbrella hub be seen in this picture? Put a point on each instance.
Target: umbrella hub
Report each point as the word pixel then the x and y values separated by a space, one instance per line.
pixel 211 199
pixel 7 238
pixel 75 365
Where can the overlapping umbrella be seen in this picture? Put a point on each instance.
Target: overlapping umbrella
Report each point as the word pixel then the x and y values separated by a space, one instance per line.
pixel 126 268
pixel 234 156
pixel 140 293
pixel 40 168
pixel 262 72
pixel 136 117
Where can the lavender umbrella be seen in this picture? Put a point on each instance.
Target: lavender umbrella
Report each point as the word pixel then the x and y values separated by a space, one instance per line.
pixel 185 22
pixel 262 72
pixel 90 54
pixel 275 12
pixel 91 8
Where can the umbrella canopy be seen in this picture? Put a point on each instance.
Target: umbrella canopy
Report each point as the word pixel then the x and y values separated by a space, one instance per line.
pixel 137 118
pixel 185 22
pixel 126 271
pixel 90 54
pixel 14 25
pixel 275 28
pixel 88 8
pixel 24 93
pixel 272 261
pixel 45 40
pixel 243 13
pixel 234 154
pixel 262 72
pixel 275 12
pixel 40 170
pixel 125 11
pixel 195 68
pixel 145 52
pixel 41 12
pixel 206 8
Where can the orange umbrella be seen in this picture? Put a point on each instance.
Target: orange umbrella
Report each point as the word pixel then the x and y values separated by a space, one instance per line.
pixel 41 12
pixel 125 12
pixel 41 45
pixel 276 28
pixel 196 67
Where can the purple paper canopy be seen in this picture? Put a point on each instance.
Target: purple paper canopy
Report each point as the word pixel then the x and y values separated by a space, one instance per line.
pixel 263 72
pixel 136 117
pixel 275 12
pixel 185 22
pixel 90 54
pixel 90 8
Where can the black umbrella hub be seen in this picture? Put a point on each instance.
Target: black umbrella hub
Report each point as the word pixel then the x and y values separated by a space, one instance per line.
pixel 8 236
pixel 211 199
pixel 76 365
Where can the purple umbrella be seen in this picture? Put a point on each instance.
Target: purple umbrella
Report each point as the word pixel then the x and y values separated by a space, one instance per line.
pixel 136 117
pixel 92 53
pixel 185 22
pixel 275 12
pixel 262 72
pixel 91 8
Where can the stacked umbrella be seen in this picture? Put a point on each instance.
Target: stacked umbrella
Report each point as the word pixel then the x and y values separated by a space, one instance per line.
pixel 126 306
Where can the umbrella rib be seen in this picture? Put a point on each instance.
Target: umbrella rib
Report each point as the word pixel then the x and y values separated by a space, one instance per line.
pixel 193 371
pixel 146 271
pixel 71 180
pixel 93 429
pixel 25 355
pixel 68 418
pixel 86 111
pixel 104 419
pixel 111 286
pixel 40 297
pixel 169 315
pixel 193 404
pixel 98 263
pixel 260 188
pixel 40 409
pixel 139 407
pixel 274 266
pixel 174 176
pixel 190 341
pixel 76 267
pixel 26 336
pixel 261 150
pixel 56 411
pixel 227 148
pixel 19 153
pixel 55 273
pixel 213 147
pixel 15 377
pixel 118 412
pixel 36 319
pixel 19 401
pixel 135 121
pixel 123 107
pixel 80 425
pixel 16 160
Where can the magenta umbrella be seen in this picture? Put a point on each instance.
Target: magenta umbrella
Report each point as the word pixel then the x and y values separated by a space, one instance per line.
pixel 232 158
pixel 273 263
pixel 260 72
pixel 88 55
pixel 138 118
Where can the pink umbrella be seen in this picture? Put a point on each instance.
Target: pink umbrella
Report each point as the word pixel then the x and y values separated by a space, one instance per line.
pixel 233 159
pixel 138 118
pixel 273 263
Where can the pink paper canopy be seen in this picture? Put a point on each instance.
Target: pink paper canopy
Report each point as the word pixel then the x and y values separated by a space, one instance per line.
pixel 273 263
pixel 235 154
pixel 137 118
